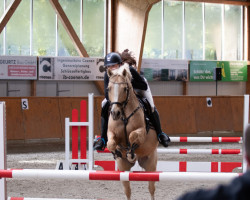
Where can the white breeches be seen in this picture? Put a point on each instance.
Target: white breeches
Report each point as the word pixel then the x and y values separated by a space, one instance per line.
pixel 147 94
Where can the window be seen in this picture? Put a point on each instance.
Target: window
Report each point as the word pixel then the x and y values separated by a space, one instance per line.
pixel 152 48
pixel 213 32
pixel 93 26
pixel 194 31
pixel 44 29
pixel 233 33
pixel 65 45
pixel 173 34
pixel 34 28
pixel 18 31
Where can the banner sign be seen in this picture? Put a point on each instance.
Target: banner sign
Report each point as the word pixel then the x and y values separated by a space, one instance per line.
pixel 230 70
pixel 18 67
pixel 164 70
pixel 71 68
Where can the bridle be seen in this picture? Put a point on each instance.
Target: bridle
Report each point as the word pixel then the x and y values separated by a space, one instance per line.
pixel 124 118
pixel 125 102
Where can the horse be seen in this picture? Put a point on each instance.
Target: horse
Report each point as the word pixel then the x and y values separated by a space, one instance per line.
pixel 128 139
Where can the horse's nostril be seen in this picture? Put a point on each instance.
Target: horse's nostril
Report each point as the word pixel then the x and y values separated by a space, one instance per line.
pixel 118 113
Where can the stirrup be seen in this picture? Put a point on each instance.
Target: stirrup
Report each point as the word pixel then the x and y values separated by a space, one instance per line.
pixel 164 139
pixel 99 144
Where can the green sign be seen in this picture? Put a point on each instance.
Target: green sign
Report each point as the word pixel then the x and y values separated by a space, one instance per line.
pixel 230 70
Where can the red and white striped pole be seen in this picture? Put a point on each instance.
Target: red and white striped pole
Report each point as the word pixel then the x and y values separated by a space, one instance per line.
pixel 24 198
pixel 200 151
pixel 192 151
pixel 117 175
pixel 206 139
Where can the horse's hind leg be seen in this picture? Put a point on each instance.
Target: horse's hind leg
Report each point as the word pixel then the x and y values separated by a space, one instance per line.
pixel 124 165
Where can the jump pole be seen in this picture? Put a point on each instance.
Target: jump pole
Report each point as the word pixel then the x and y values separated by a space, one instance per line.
pixel 206 139
pixel 2 149
pixel 117 175
pixel 25 198
pixel 75 124
pixel 192 151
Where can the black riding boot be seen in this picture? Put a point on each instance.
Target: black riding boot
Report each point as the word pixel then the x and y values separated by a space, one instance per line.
pixel 101 142
pixel 162 137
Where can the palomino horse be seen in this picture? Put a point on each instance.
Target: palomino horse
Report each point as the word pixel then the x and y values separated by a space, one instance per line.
pixel 128 139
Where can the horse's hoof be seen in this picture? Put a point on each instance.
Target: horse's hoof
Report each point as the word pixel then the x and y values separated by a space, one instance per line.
pixel 131 157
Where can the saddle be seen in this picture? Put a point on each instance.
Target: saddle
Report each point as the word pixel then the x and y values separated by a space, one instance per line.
pixel 147 111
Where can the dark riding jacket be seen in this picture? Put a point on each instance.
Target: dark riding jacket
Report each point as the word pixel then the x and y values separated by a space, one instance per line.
pixel 137 81
pixel 238 189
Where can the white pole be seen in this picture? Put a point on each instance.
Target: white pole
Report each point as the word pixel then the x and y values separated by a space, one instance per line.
pixel 67 146
pixel 91 130
pixel 245 124
pixel 2 149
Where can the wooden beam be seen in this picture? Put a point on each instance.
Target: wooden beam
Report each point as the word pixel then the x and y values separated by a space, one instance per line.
pixel 33 88
pixel 69 28
pixel 78 44
pixel 185 88
pixel 113 26
pixel 8 14
pixel 143 37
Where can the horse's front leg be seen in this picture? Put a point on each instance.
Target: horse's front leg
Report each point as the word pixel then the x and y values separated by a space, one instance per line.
pixel 136 138
pixel 111 145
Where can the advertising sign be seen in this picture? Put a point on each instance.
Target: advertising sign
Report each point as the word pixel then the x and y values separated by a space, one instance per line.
pixel 18 67
pixel 230 70
pixel 164 70
pixel 71 68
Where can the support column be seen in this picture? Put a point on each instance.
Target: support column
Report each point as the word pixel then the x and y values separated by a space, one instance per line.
pixel 247 13
pixel 130 26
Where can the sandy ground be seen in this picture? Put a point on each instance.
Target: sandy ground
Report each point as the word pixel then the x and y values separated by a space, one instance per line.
pixel 44 155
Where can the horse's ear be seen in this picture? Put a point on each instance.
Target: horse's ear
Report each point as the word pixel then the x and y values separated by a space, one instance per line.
pixel 109 72
pixel 124 73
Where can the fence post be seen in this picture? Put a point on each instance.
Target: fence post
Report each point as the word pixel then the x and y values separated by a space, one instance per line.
pixel 91 130
pixel 2 150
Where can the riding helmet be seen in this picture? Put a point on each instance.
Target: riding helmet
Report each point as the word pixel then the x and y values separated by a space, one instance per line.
pixel 112 59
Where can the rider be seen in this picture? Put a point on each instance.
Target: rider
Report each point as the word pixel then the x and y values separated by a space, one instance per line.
pixel 113 61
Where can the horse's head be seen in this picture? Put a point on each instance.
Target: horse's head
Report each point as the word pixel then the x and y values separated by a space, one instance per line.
pixel 118 89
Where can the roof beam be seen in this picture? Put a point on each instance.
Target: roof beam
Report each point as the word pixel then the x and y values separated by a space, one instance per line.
pixel 69 28
pixel 8 14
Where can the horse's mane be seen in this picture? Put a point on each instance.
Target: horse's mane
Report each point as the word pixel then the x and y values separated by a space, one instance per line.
pixel 121 69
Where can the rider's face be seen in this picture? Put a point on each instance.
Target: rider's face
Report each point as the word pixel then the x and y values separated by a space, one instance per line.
pixel 113 67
